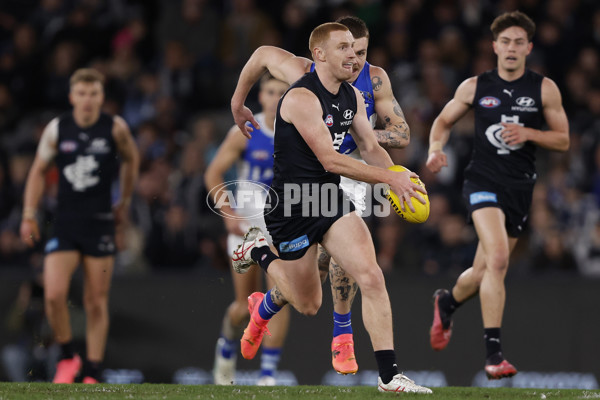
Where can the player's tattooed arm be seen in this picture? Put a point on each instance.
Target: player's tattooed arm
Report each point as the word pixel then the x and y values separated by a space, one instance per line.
pixel 395 133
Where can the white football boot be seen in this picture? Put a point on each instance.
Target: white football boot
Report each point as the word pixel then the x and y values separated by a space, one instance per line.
pixel 401 383
pixel 224 368
pixel 266 380
pixel 241 260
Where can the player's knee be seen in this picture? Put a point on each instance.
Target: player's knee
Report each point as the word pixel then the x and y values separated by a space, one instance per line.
pixel 497 261
pixel 371 280
pixel 95 304
pixel 309 307
pixel 54 299
pixel 238 311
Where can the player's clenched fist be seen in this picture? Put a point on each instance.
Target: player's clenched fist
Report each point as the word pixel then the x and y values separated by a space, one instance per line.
pixel 30 232
pixel 436 160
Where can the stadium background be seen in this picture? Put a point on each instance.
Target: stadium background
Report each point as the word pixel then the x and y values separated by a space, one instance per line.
pixel 172 67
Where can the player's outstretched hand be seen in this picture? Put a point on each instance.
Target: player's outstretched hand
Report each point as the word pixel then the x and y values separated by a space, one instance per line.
pixel 29 231
pixel 241 115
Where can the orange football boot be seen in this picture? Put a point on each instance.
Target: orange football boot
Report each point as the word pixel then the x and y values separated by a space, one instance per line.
pixel 257 327
pixel 67 369
pixel 499 371
pixel 342 354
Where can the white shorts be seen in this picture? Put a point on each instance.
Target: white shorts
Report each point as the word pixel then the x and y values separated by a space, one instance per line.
pixel 356 191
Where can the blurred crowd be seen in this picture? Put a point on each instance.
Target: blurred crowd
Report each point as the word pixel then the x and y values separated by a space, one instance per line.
pixel 172 65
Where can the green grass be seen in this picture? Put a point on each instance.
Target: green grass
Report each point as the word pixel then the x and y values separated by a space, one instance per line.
pixel 47 391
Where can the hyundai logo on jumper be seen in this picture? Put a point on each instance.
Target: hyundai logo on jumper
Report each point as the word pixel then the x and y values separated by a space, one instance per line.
pixel 321 200
pixel 241 199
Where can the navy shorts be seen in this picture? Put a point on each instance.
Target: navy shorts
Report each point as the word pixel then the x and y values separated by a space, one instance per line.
pixel 515 203
pixel 96 239
pixel 293 235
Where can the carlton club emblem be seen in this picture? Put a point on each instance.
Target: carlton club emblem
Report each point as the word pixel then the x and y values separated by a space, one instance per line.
pixel 329 120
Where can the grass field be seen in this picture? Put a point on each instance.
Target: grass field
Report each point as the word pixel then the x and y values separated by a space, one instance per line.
pixel 47 391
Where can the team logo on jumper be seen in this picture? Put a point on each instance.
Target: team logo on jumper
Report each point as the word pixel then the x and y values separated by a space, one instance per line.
pixel 246 199
pixel 68 146
pixel 494 135
pixel 80 173
pixel 329 120
pixel 98 146
pixel 294 245
pixel 525 101
pixel 489 102
pixel 348 114
pixel 525 104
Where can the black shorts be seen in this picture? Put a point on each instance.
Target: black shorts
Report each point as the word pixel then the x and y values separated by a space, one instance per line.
pixel 515 203
pixel 96 239
pixel 293 235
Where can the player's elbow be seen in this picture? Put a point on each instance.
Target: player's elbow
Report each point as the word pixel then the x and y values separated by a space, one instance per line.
pixel 402 139
pixel 330 163
pixel 565 143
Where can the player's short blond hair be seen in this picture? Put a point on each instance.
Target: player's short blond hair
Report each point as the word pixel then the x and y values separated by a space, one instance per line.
pixel 320 34
pixel 88 75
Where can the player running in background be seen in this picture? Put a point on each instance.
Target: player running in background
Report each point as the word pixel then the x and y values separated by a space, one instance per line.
pixel 380 103
pixel 316 112
pixel 254 160
pixel 511 103
pixel 86 145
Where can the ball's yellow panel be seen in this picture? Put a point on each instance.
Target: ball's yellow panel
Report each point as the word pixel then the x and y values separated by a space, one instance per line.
pixel 421 210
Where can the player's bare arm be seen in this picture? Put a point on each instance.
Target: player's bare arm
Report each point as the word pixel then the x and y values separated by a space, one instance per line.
pixel 301 108
pixel 440 129
pixel 130 164
pixel 282 64
pixel 361 130
pixel 557 137
pixel 395 133
pixel 372 152
pixel 229 152
pixel 35 184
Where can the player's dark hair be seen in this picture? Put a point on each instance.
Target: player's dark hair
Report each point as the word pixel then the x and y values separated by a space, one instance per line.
pixel 514 18
pixel 357 26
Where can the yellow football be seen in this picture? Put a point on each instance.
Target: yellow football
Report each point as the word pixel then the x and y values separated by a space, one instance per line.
pixel 421 210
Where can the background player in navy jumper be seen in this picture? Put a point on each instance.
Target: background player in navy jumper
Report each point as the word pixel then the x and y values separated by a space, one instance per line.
pixel 510 104
pixel 393 132
pixel 254 159
pixel 86 146
pixel 313 117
